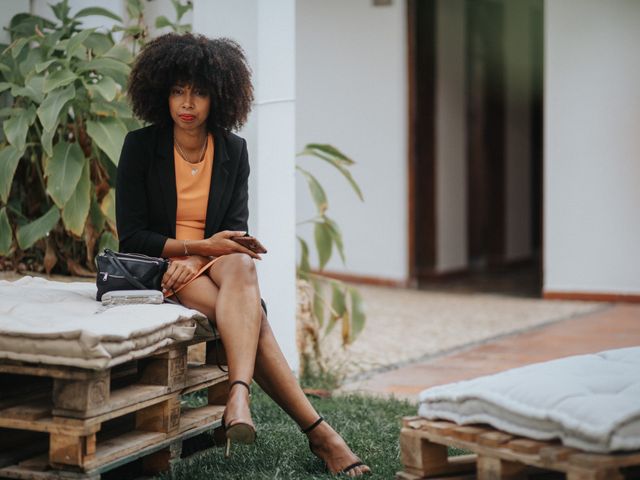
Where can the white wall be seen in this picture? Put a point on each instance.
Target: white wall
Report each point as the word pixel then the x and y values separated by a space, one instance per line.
pixel 592 146
pixel 266 31
pixel 451 137
pixel 351 78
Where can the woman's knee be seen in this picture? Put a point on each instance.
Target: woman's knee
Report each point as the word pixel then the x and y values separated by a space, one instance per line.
pixel 239 265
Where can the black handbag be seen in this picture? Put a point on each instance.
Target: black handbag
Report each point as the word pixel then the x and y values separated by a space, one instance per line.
pixel 128 271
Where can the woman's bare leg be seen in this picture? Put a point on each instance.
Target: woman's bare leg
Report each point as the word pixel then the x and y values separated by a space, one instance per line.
pixel 238 318
pixel 230 297
pixel 273 374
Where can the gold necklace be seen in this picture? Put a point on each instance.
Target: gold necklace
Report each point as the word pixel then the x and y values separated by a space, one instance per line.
pixel 194 170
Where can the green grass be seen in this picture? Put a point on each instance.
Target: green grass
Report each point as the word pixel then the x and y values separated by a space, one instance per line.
pixel 370 426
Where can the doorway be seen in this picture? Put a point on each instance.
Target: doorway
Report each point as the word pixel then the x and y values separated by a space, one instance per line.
pixel 489 262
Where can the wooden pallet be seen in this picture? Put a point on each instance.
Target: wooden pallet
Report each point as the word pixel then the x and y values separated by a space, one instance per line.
pixel 86 422
pixel 498 455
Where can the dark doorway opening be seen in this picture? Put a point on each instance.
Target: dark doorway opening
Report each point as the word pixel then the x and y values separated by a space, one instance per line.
pixel 490 264
pixel 486 134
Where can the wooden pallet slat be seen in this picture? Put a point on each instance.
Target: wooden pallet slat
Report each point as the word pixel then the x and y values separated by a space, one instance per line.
pixel 144 395
pixel 523 445
pixel 494 439
pixel 500 456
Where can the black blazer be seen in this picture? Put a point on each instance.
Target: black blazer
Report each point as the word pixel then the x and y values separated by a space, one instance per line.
pixel 146 196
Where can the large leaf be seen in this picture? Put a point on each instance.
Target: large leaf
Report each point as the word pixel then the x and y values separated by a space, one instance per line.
pixel 6 235
pixel 304 255
pixel 41 67
pixel 59 78
pixel 75 44
pixel 9 158
pixel 50 108
pixel 63 171
pixel 335 158
pixel 74 214
pixel 108 207
pixel 30 233
pixel 51 39
pixel 328 153
pixel 347 174
pixel 32 89
pixel 358 317
pixel 30 114
pixel 323 243
pixel 102 12
pixel 104 65
pixel 99 43
pixel 106 87
pixel 180 8
pixel 34 56
pixel 18 45
pixel 317 192
pixel 338 305
pixel 108 133
pixel 336 236
pixel 24 24
pixel 15 129
pixel 61 10
pixel 46 139
pixel 162 22
pixel 119 52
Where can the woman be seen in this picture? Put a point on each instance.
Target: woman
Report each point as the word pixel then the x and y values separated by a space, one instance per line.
pixel 182 193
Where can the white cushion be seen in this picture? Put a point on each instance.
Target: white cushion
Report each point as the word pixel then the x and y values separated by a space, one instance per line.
pixel 60 323
pixel 591 402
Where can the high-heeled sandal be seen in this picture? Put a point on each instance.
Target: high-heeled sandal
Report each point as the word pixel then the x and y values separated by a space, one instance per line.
pixel 345 470
pixel 239 431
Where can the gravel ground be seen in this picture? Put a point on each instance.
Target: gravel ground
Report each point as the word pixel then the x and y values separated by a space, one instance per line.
pixel 408 325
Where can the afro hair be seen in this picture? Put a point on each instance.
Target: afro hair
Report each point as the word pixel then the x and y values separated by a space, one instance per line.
pixel 218 66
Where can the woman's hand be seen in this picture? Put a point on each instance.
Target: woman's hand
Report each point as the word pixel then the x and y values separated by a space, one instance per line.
pixel 181 271
pixel 221 244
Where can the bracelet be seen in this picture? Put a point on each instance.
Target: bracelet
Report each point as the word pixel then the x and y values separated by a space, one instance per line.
pixel 184 243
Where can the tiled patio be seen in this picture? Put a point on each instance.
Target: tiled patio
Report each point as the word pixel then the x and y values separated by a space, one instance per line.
pixel 617 326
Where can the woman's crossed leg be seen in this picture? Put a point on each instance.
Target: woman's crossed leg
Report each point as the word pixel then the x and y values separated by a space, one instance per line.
pixel 230 297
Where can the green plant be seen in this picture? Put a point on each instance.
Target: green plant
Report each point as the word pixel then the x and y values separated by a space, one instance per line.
pixel 63 132
pixel 333 302
pixel 176 26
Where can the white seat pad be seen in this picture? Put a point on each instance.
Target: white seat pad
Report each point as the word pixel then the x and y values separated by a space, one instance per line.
pixel 591 402
pixel 60 323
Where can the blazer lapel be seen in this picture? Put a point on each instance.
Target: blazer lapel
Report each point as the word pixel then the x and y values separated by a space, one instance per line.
pixel 167 175
pixel 219 177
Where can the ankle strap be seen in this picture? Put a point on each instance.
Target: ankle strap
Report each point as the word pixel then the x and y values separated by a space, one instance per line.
pixel 313 425
pixel 240 382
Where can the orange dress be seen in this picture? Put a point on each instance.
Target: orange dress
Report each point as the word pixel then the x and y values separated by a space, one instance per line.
pixel 193 181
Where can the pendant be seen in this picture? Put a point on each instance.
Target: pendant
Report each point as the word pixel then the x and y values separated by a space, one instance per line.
pixel 194 171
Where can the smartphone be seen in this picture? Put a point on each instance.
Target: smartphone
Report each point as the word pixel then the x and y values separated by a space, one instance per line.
pixel 252 243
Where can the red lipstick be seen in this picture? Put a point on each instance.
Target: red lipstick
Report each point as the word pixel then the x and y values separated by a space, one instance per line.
pixel 187 118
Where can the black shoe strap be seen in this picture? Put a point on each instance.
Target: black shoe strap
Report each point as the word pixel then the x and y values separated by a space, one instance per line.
pixel 312 426
pixel 240 382
pixel 351 467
